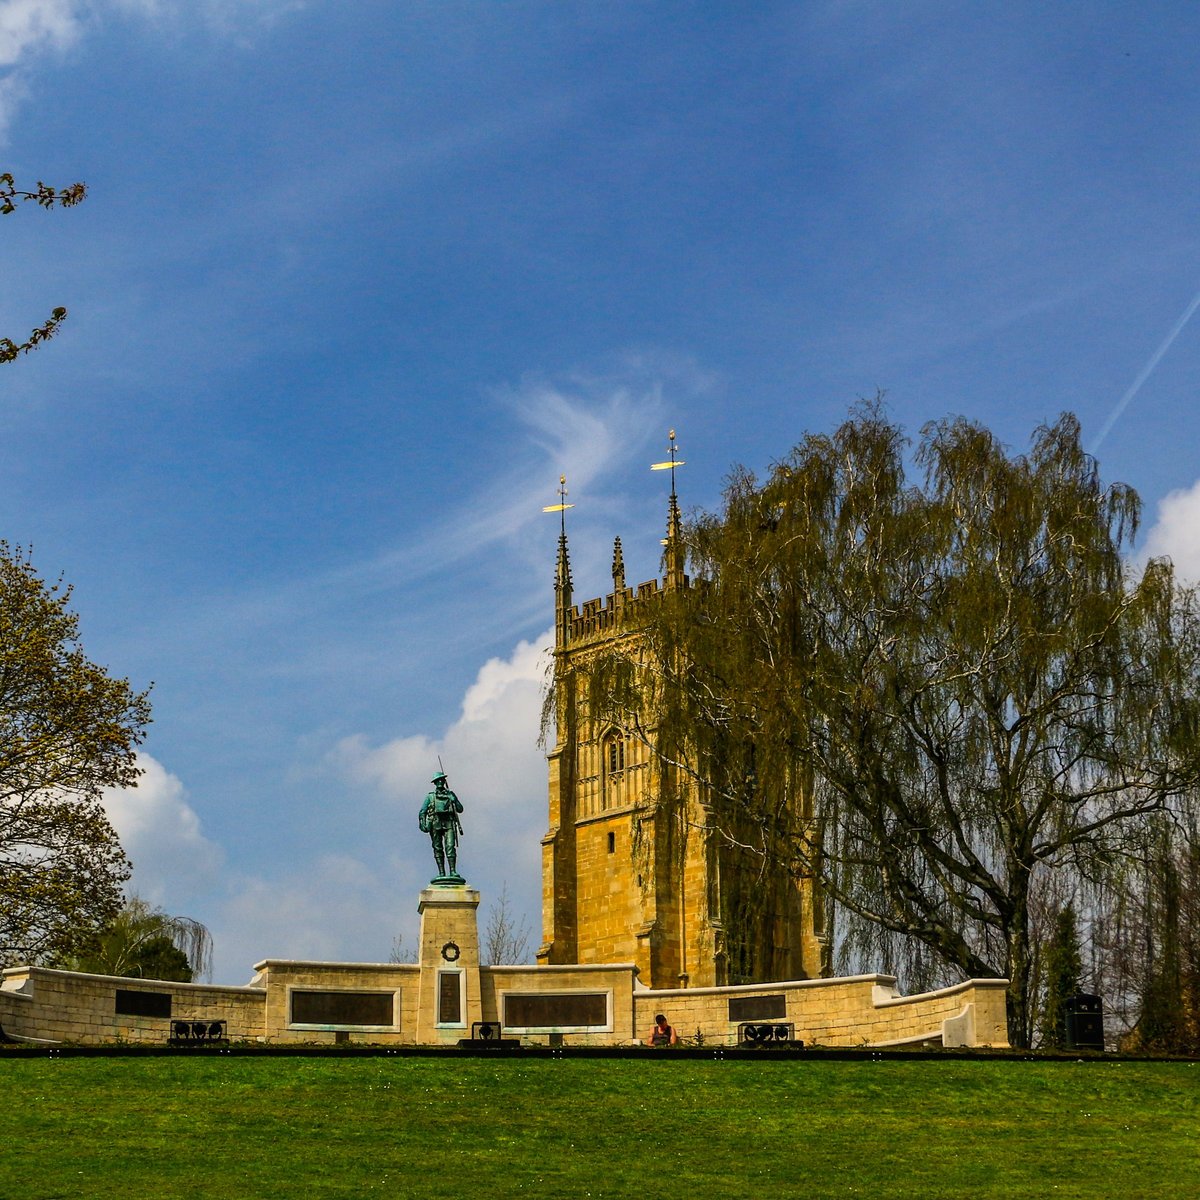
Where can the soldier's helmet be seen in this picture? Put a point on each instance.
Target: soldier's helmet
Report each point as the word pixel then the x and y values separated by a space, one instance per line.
pixel 439 776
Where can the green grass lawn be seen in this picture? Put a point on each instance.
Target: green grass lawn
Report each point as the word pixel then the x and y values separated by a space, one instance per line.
pixel 471 1127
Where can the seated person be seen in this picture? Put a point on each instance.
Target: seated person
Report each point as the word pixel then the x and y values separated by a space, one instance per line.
pixel 662 1034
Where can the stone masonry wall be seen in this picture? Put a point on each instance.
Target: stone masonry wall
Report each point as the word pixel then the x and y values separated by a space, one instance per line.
pixel 278 976
pixel 616 979
pixel 72 1007
pixel 605 891
pixel 861 1010
pixel 16 1012
pixel 858 1011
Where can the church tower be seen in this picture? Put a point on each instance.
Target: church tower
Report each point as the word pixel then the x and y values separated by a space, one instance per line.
pixel 623 878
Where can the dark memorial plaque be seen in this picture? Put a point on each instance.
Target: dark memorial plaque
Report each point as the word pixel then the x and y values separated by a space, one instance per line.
pixel 343 1008
pixel 143 1004
pixel 449 998
pixel 567 1010
pixel 757 1008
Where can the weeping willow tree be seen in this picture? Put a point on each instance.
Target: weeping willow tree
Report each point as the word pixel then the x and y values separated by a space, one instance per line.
pixel 143 942
pixel 931 696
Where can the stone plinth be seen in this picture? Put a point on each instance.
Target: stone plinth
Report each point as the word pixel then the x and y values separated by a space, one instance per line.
pixel 450 997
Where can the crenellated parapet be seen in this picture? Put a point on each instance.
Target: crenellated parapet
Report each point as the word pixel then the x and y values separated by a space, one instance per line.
pixel 618 612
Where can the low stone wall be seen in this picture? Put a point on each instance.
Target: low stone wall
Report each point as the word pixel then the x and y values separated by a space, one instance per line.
pixel 16 1013
pixel 561 993
pixel 449 994
pixel 971 1013
pixel 567 993
pixel 339 984
pixel 860 1010
pixel 72 1007
pixel 587 1004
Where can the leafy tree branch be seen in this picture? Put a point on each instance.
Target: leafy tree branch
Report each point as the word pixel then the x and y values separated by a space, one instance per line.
pixel 43 196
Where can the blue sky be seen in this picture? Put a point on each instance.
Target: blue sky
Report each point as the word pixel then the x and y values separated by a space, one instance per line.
pixel 356 281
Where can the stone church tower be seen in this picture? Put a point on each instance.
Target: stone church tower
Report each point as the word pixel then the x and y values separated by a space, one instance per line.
pixel 625 881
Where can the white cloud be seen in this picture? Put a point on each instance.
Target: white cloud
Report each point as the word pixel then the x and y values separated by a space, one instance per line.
pixel 1176 533
pixel 348 904
pixel 490 754
pixel 337 908
pixel 160 831
pixel 29 28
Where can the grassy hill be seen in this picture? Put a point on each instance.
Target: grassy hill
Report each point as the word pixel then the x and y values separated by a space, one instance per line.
pixel 647 1127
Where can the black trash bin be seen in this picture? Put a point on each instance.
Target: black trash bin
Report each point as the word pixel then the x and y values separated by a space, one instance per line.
pixel 1085 1022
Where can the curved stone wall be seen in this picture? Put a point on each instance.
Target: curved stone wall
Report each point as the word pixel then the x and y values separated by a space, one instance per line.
pixel 380 1003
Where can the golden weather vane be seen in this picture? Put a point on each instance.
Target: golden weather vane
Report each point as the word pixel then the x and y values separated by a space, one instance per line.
pixel 669 465
pixel 562 505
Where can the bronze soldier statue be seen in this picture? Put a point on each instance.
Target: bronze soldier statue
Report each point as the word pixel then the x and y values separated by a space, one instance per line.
pixel 439 819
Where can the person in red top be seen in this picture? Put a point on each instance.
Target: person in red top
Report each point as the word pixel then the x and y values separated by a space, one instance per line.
pixel 662 1034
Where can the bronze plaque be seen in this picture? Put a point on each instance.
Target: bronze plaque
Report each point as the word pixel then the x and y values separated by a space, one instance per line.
pixel 143 1004
pixel 449 998
pixel 571 1010
pixel 757 1008
pixel 342 1008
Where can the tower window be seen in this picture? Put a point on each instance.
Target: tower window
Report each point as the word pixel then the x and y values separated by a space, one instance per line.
pixel 612 843
pixel 613 761
pixel 616 752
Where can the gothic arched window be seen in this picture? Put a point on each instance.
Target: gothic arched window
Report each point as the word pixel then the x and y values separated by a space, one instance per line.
pixel 614 749
pixel 613 759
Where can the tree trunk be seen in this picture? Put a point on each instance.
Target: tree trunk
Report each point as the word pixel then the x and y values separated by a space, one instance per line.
pixel 1018 968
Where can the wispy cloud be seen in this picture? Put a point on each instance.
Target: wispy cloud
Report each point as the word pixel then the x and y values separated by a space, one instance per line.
pixel 334 908
pixel 593 427
pixel 588 427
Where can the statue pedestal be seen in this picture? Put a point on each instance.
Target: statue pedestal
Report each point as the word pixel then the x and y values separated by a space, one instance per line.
pixel 449 1001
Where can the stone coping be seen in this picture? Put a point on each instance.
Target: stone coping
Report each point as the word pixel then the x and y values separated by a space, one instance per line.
pixel 880 981
pixel 939 993
pixel 725 988
pixel 323 965
pixel 447 895
pixel 20 1040
pixel 559 968
pixel 510 968
pixel 129 981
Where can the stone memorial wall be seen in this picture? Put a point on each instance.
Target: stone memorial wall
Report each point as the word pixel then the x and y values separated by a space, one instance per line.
pixel 448 994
